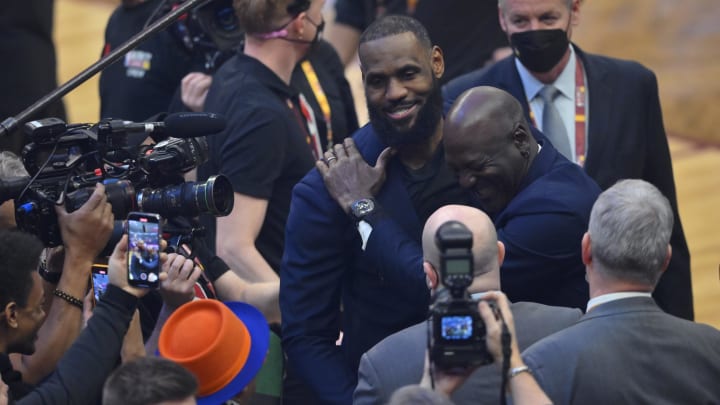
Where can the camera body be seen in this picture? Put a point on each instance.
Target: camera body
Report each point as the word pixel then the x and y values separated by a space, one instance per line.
pixel 458 331
pixel 66 161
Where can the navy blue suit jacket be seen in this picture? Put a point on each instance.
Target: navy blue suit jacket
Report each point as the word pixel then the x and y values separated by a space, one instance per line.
pixel 626 140
pixel 542 228
pixel 324 265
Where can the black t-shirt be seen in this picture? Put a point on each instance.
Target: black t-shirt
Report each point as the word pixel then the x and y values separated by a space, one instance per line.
pixel 28 63
pixel 263 150
pixel 433 186
pixel 467 31
pixel 143 82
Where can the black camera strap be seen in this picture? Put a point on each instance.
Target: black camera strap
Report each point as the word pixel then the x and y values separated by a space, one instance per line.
pixel 506 340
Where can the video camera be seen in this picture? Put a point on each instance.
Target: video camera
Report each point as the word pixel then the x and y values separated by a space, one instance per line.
pixel 458 331
pixel 66 161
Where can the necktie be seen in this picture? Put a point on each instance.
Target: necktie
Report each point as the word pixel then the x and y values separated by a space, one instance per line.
pixel 553 127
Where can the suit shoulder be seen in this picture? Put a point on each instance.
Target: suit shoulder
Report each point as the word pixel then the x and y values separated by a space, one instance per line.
pixel 619 66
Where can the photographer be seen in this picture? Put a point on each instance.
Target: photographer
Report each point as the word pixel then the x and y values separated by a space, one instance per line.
pixel 85 232
pixel 521 385
pixel 398 360
pixel 81 372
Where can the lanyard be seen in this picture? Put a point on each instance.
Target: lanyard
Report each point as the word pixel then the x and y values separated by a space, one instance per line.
pixel 321 98
pixel 580 93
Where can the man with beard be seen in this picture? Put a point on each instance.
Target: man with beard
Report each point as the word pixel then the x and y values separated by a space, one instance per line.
pixel 605 114
pixel 326 261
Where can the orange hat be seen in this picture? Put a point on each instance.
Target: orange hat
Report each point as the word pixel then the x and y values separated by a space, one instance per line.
pixel 223 344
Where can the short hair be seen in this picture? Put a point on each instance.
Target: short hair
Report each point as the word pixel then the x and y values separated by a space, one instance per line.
pixel 11 166
pixel 417 395
pixel 630 227
pixel 390 25
pixel 501 4
pixel 19 258
pixel 262 16
pixel 147 381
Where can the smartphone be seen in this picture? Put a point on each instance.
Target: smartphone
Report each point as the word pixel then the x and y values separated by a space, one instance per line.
pixel 143 249
pixel 99 280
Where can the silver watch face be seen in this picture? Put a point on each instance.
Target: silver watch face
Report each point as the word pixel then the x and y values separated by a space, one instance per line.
pixel 360 208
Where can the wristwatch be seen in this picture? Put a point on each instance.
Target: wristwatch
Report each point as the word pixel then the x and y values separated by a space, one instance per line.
pixel 51 277
pixel 361 208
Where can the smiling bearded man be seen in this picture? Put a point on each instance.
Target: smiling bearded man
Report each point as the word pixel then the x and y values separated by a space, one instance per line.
pixel 327 261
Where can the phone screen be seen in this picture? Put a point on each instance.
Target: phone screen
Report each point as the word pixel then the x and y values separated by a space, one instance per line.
pixel 143 249
pixel 99 280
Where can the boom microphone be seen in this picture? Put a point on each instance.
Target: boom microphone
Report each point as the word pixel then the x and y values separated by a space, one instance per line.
pixel 177 125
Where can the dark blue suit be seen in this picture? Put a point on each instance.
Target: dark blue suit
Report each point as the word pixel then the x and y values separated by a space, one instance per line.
pixel 324 265
pixel 542 228
pixel 626 140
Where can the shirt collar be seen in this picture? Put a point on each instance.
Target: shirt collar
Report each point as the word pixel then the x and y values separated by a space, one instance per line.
pixel 565 82
pixel 605 298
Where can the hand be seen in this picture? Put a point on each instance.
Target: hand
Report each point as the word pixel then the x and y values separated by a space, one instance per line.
pixel 194 89
pixel 348 177
pixel 118 267
pixel 87 230
pixel 178 287
pixel 493 326
pixel 446 381
pixel 3 392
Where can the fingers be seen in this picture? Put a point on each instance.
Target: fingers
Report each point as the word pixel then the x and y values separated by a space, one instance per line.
pixel 339 150
pixel 121 249
pixel 384 158
pixel 97 198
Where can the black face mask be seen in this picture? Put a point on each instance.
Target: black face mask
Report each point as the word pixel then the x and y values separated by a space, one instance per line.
pixel 540 50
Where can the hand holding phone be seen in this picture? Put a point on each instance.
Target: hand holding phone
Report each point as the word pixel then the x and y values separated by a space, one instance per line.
pixel 144 234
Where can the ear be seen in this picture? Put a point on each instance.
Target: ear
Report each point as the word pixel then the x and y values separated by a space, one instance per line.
pixel 521 138
pixel 297 25
pixel 668 256
pixel 575 13
pixel 586 250
pixel 431 275
pixel 501 18
pixel 10 313
pixel 437 61
pixel 501 253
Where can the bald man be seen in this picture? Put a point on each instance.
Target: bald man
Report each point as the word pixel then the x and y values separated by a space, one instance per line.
pixel 398 360
pixel 539 201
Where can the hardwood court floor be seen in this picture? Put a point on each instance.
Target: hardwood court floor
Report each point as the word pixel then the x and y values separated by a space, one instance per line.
pixel 680 41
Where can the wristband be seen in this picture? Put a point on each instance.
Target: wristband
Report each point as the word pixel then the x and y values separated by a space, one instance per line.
pixel 215 268
pixel 519 370
pixel 69 298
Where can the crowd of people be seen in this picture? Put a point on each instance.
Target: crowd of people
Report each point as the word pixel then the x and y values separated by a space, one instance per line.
pixel 317 287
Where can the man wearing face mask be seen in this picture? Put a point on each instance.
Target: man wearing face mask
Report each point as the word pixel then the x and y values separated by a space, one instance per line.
pixel 601 113
pixel 267 146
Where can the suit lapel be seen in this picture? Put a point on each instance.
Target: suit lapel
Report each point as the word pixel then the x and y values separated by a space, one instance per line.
pixel 600 112
pixel 509 80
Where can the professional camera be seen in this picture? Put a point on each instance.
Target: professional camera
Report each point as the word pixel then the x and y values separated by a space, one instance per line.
pixel 66 161
pixel 458 331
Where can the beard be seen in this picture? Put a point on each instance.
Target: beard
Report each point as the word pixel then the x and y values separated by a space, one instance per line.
pixel 426 122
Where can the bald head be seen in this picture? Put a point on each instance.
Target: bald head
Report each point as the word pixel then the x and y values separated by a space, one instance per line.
pixel 489 145
pixel 485 246
pixel 484 110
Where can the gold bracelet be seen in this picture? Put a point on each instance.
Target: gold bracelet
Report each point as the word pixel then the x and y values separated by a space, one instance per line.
pixel 69 298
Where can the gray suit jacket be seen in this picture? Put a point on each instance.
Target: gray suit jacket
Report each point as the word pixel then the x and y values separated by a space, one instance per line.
pixel 398 360
pixel 629 352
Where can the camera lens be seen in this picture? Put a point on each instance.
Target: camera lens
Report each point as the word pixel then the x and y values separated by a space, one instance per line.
pixel 215 196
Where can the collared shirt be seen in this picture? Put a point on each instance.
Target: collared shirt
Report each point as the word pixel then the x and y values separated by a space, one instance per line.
pixel 605 298
pixel 565 102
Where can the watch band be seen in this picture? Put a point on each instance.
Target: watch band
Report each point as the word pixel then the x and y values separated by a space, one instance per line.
pixel 51 277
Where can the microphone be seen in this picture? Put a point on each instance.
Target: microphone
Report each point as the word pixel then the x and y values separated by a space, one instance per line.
pixel 177 125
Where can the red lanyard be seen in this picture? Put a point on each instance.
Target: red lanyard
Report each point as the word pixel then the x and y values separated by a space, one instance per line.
pixel 580 93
